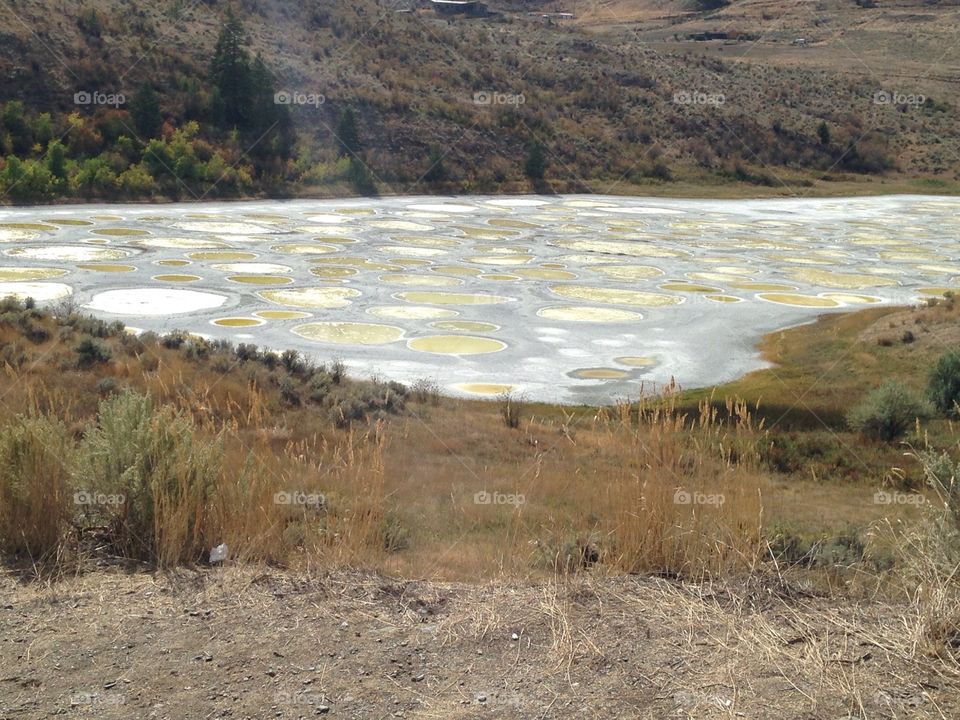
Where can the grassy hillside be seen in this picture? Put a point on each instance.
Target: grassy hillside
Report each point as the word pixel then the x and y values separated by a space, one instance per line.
pixel 407 481
pixel 503 103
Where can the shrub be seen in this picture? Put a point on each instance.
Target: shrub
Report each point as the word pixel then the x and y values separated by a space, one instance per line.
pixel 163 468
pixel 34 331
pixel 887 412
pixel 293 362
pixel 425 391
pixel 943 386
pixel 509 411
pixel 92 352
pixel 174 340
pixel 320 385
pixel 289 392
pixel 36 459
pixel 247 351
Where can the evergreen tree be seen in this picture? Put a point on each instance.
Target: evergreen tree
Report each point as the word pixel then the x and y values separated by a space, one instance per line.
pixel 145 110
pixel 823 132
pixel 436 171
pixel 57 162
pixel 360 177
pixel 536 162
pixel 230 74
pixel 347 135
pixel 270 122
pixel 16 125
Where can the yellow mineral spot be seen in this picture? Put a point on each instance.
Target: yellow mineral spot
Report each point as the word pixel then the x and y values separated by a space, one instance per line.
pixel 629 272
pixel 484 388
pixel 260 279
pixel 22 274
pixel 689 287
pixel 68 222
pixel 456 345
pixel 465 326
pixel 317 297
pixel 828 278
pixel 120 232
pixel 762 286
pixel 106 268
pixel 238 322
pixel 798 300
pixel 333 273
pixel 350 333
pixel 456 270
pixel 445 298
pixel 599 374
pixel 176 278
pixel 422 280
pixel 636 361
pixel 304 248
pixel 544 274
pixel 635 249
pixel 851 299
pixel 281 314
pixel 615 296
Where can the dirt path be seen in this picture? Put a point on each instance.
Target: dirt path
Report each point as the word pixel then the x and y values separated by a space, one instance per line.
pixel 242 643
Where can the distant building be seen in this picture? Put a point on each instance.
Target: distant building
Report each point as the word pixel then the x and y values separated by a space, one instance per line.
pixel 459 7
pixel 551 17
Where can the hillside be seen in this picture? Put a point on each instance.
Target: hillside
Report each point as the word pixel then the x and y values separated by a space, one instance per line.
pixel 620 99
pixel 388 551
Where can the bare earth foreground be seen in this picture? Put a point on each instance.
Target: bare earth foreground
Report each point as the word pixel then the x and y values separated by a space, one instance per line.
pixel 247 643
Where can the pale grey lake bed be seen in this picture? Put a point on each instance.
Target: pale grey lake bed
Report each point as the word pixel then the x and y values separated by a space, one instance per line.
pixel 559 298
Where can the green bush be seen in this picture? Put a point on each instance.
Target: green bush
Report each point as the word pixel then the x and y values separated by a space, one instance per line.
pixel 943 386
pixel 163 470
pixel 887 412
pixel 91 352
pixel 36 501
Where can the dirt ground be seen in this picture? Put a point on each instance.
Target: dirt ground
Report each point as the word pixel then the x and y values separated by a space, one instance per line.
pixel 255 643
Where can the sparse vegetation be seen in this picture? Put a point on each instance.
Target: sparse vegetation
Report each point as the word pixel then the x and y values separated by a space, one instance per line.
pixel 206 121
pixel 887 412
pixel 944 384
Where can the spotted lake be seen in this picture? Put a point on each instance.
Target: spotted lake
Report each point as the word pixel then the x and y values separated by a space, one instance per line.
pixel 563 298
